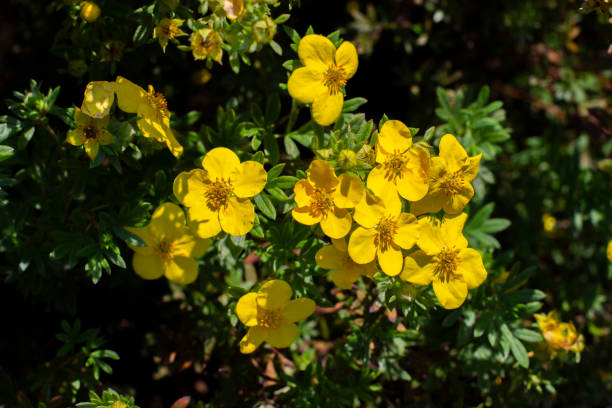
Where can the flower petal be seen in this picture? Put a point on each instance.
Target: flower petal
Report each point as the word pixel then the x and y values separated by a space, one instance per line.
pixel 395 137
pixel 98 99
pixel 430 238
pixel 75 137
pixel 91 148
pixel 304 216
pixel 337 223
pixel 316 51
pixel 431 203
pixel 282 336
pixel 182 270
pixel 129 95
pixel 238 216
pixel 455 203
pixel 274 294
pixel 451 229
pixel 305 84
pixel 298 309
pixel 253 339
pixel 346 58
pixel 302 190
pixel 327 107
pixel 188 245
pixel 471 267
pixel 248 179
pixel 190 187
pixel 407 231
pixel 418 268
pixel 329 257
pixel 321 175
pixel 413 184
pixel 167 220
pixel 104 137
pixel 470 170
pixel 361 246
pixel 349 192
pixel 391 261
pixel 203 221
pixel 450 294
pixel 369 211
pixel 147 266
pixel 452 152
pixel 173 145
pixel 345 277
pixel 246 309
pixel 220 162
pixel 143 233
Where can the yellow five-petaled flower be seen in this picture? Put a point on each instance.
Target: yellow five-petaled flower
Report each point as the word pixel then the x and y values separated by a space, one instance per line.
pixel 324 198
pixel 218 195
pixel 345 271
pixel 166 30
pixel 559 335
pixel 445 259
pixel 171 247
pixel 450 176
pixel 271 316
pixel 90 132
pixel 322 78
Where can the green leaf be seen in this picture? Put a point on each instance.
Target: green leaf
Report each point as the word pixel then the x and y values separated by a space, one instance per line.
pixel 295 37
pixel 443 100
pixel 518 350
pixel 282 18
pixel 273 108
pixel 128 237
pixel 271 147
pixel 483 324
pixel 524 296
pixel 276 48
pixel 264 204
pixel 283 182
pixel 528 335
pixel 291 148
pixel 352 104
pixel 6 152
pixel 275 171
pixel 483 96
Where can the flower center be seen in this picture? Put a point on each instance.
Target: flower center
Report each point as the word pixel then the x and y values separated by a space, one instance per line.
pixel 386 230
pixel 452 183
pixel 446 264
pixel 157 101
pixel 165 249
pixel 218 193
pixel 269 319
pixel 395 165
pixel 170 30
pixel 90 132
pixel 321 203
pixel 334 78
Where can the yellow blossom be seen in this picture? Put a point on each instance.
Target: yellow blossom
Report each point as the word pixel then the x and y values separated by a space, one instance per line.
pixel 98 99
pixel 401 167
pixel 233 8
pixel 271 316
pixel 345 271
pixel 324 198
pixel 166 30
pixel 206 42
pixel 384 231
pixel 152 109
pixel 449 179
pixel 90 132
pixel 171 247
pixel 218 195
pixel 548 222
pixel 445 259
pixel 90 11
pixel 322 79
pixel 559 335
pixel 609 251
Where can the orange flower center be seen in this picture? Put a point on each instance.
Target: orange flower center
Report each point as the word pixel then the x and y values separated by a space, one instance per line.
pixel 218 194
pixel 386 230
pixel 269 319
pixel 446 264
pixel 90 132
pixel 452 183
pixel 321 203
pixel 334 78
pixel 157 101
pixel 395 165
pixel 170 30
pixel 165 249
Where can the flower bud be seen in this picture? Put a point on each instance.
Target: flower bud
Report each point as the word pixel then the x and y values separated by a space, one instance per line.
pixel 90 11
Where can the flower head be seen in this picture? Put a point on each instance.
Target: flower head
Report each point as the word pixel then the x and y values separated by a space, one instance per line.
pixel 324 198
pixel 345 271
pixel 401 166
pixel 450 178
pixel 559 335
pixel 171 247
pixel 90 133
pixel 384 231
pixel 166 30
pixel 152 108
pixel 271 316
pixel 206 42
pixel 218 195
pixel 445 259
pixel 90 11
pixel 322 79
pixel 98 99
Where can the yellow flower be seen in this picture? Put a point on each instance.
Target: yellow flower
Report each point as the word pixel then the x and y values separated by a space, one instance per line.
pixel 152 109
pixel 233 8
pixel 90 11
pixel 324 198
pixel 166 30
pixel 205 42
pixel 218 196
pixel 271 316
pixel 322 78
pixel 98 99
pixel 345 271
pixel 450 176
pixel 548 322
pixel 90 132
pixel 384 231
pixel 445 259
pixel 559 335
pixel 401 167
pixel 609 251
pixel 548 222
pixel 171 247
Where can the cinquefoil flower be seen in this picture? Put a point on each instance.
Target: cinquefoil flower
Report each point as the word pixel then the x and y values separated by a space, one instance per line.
pixel 98 99
pixel 322 78
pixel 218 195
pixel 206 42
pixel 559 335
pixel 345 271
pixel 166 30
pixel 450 176
pixel 271 316
pixel 324 198
pixel 171 247
pixel 153 110
pixel 401 167
pixel 445 259
pixel 90 132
